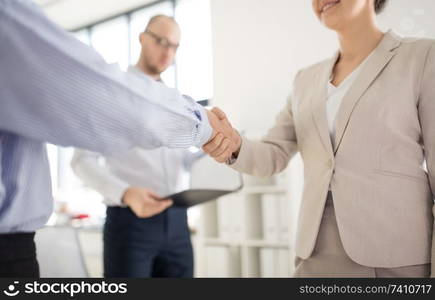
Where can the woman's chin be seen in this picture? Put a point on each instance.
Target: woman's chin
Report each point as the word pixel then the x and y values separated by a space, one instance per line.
pixel 331 23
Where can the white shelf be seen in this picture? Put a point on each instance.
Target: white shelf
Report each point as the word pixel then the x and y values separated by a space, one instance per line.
pixel 219 242
pixel 264 190
pixel 246 243
pixel 250 229
pixel 267 244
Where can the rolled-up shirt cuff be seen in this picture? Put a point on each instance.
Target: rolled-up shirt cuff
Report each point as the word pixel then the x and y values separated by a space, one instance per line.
pixel 205 130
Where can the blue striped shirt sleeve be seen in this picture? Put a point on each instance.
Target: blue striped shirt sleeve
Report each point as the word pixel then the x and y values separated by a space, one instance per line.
pixel 55 89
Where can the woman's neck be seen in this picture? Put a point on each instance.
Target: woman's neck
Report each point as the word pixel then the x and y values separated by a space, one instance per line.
pixel 357 42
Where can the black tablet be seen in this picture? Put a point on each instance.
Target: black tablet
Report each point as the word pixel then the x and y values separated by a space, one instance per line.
pixel 194 197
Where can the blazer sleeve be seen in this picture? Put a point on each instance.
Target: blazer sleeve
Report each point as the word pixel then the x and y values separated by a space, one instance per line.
pixel 272 154
pixel 426 109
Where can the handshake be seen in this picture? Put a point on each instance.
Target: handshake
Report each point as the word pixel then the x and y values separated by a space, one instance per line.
pixel 225 140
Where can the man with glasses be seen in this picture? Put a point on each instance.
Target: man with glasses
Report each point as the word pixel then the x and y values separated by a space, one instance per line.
pixel 160 42
pixel 54 89
pixel 138 243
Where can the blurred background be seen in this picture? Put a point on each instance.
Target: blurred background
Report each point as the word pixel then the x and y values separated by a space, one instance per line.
pixel 242 56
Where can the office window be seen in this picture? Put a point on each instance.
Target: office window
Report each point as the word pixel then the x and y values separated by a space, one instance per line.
pixel 84 36
pixel 110 39
pixel 194 58
pixel 117 40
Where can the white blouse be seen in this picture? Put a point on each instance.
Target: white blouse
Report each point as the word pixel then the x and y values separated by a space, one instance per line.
pixel 335 96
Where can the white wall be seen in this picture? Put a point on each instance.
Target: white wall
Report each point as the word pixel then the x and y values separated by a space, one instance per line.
pixel 410 18
pixel 258 45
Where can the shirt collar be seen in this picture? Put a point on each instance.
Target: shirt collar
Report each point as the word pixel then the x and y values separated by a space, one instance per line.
pixel 136 70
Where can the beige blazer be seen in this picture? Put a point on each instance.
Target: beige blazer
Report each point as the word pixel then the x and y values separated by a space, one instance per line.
pixel 385 130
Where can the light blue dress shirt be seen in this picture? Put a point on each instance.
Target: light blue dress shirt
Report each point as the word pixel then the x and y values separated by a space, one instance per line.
pixel 162 170
pixel 55 89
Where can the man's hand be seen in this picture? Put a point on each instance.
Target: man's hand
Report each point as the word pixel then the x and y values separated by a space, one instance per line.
pixel 144 203
pixel 225 140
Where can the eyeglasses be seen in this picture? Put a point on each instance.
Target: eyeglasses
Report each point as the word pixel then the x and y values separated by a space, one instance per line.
pixel 162 42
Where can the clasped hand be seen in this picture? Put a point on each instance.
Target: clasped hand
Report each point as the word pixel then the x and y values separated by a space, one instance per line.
pixel 225 140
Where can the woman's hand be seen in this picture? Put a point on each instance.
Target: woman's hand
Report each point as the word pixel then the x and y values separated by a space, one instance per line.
pixel 226 143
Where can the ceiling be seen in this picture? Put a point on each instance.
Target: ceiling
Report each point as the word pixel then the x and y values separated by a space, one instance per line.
pixel 72 14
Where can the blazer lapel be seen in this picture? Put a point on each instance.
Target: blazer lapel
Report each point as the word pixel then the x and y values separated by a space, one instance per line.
pixel 381 56
pixel 318 102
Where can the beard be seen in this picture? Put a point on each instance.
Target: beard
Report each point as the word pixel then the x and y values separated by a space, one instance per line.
pixel 155 70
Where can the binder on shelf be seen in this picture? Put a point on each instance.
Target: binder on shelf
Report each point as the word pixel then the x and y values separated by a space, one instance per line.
pixel 284 218
pixel 268 262
pixel 253 217
pixel 237 217
pixel 230 217
pixel 275 263
pixel 224 217
pixel 216 261
pixel 209 220
pixel 270 209
pixel 284 263
pixel 252 267
pixel 222 261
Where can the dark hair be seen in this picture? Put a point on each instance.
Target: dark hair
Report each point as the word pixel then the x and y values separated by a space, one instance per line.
pixel 380 5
